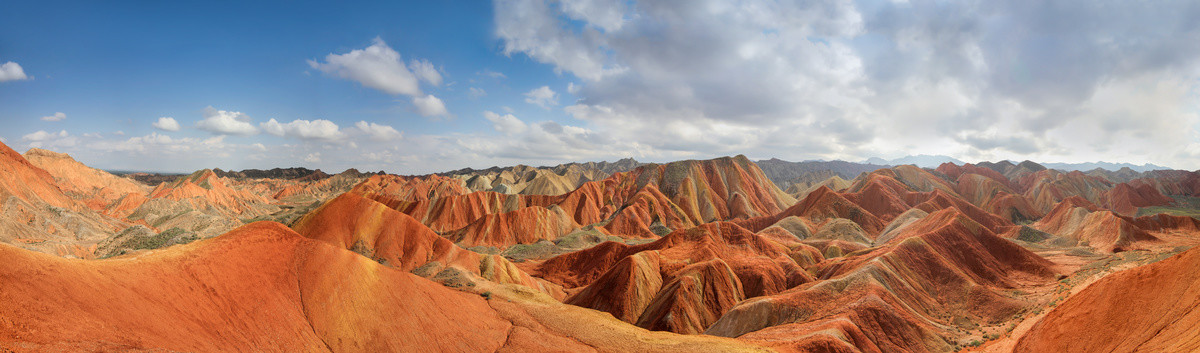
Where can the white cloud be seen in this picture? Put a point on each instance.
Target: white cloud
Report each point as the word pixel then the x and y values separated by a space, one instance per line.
pixel 475 92
pixel 429 106
pixel 166 123
pixel 11 71
pixel 547 141
pixel 378 132
pixel 378 66
pixel 319 129
pixel 492 74
pixel 507 124
pixel 710 77
pixel 41 135
pixel 226 122
pixel 535 28
pixel 313 157
pixel 156 143
pixel 59 116
pixel 542 96
pixel 608 16
pixel 43 139
pixel 426 72
pixel 259 147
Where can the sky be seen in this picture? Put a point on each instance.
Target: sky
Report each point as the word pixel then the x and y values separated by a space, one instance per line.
pixel 428 86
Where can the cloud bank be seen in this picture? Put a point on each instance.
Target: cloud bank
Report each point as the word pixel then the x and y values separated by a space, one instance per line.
pixel 842 79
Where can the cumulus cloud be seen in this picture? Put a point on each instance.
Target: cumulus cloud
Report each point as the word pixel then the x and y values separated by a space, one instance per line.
pixel 378 132
pixel 226 122
pixel 59 116
pixel 429 106
pixel 542 96
pixel 837 79
pixel 377 66
pixel 507 124
pixel 319 129
pixel 166 123
pixel 546 141
pixel 43 139
pixel 426 72
pixel 42 135
pixel 11 71
pixel 539 30
pixel 156 143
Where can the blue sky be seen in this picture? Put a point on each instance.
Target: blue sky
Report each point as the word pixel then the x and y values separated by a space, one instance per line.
pixel 1066 82
pixel 118 67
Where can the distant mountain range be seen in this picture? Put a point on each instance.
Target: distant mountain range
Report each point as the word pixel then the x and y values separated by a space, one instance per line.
pixel 1104 165
pixel 784 173
pixel 933 161
pixel 921 160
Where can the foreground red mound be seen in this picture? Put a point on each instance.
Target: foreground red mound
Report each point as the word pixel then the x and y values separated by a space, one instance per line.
pixel 264 288
pixel 261 287
pixel 1152 308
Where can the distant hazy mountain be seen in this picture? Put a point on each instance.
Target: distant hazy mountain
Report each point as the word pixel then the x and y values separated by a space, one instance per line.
pixel 784 173
pixel 1103 165
pixel 922 160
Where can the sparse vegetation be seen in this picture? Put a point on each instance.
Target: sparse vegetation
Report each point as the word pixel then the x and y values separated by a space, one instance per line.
pixel 133 241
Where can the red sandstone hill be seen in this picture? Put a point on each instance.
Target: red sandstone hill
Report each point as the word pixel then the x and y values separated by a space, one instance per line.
pixel 820 205
pixel 21 179
pixel 524 226
pixel 635 204
pixel 204 189
pixel 954 172
pixel 904 259
pixel 1125 199
pixel 682 282
pixel 717 189
pixel 1172 182
pixel 263 287
pixel 94 188
pixel 37 214
pixel 1080 220
pixel 903 296
pixel 1152 308
pixel 412 188
pixel 397 240
pixel 1047 187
